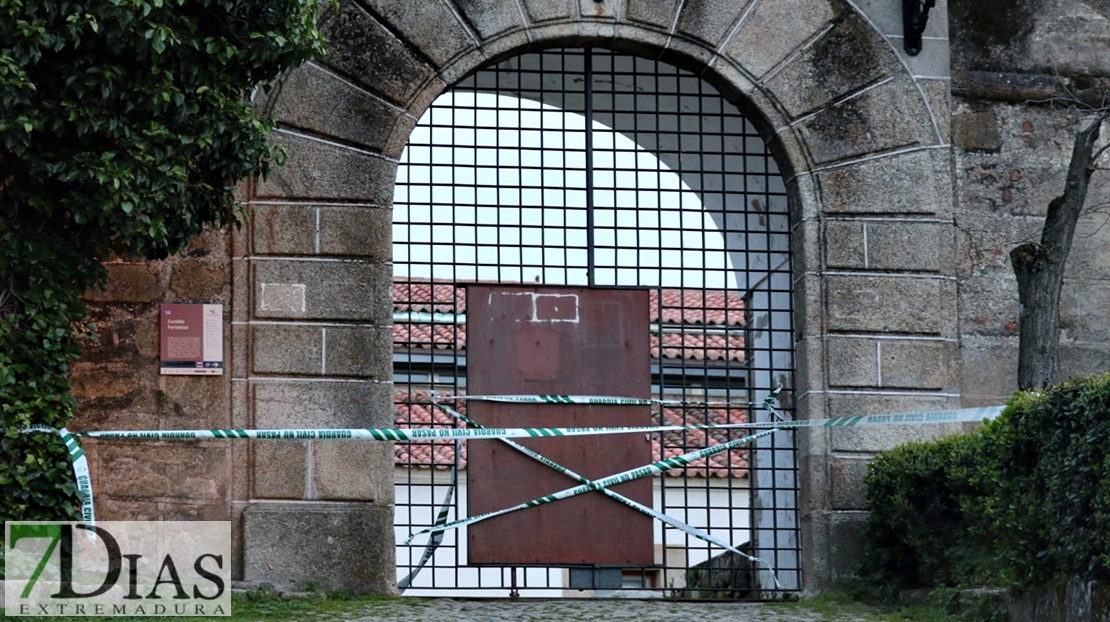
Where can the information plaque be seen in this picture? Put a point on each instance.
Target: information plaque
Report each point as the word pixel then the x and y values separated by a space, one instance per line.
pixel 192 337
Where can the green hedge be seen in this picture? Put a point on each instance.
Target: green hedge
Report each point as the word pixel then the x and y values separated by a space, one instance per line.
pixel 1023 500
pixel 1051 502
pixel 927 501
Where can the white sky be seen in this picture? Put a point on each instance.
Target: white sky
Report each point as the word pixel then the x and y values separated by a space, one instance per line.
pixel 530 223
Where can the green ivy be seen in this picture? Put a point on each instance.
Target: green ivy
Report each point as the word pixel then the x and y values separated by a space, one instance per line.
pixel 124 127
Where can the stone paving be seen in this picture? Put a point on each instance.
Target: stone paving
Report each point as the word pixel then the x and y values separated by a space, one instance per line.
pixel 609 610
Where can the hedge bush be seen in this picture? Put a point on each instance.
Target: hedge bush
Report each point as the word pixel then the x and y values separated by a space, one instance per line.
pixel 1051 505
pixel 1024 500
pixel 927 502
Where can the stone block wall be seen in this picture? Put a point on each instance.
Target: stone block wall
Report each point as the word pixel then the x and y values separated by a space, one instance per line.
pixel 118 387
pixel 903 204
pixel 1003 195
pixel 1016 66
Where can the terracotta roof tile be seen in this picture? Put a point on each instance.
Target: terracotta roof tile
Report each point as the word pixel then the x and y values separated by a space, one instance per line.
pixel 691 345
pixel 681 309
pixel 693 306
pixel 415 411
pixel 425 296
pixel 688 345
pixel 424 336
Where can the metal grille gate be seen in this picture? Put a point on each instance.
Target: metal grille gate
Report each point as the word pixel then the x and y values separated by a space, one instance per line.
pixel 588 167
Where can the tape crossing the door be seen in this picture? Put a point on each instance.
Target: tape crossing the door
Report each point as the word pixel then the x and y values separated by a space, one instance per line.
pixel 84 487
pixel 619 498
pixel 422 434
pixel 654 468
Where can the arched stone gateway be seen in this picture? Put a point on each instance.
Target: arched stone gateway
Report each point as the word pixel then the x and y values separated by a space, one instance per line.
pixel 858 129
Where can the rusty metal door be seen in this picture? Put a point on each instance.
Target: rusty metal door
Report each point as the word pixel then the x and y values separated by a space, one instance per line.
pixel 558 341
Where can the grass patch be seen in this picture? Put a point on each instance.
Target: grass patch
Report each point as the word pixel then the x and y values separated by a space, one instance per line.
pixel 834 606
pixel 830 606
pixel 921 613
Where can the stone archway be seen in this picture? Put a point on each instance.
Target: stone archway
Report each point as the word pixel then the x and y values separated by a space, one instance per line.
pixel 859 131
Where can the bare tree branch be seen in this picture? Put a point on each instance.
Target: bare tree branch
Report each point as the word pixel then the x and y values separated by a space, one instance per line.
pixel 1098 155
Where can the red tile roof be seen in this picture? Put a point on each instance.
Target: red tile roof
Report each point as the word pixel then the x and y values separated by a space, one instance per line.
pixel 416 411
pixel 425 336
pixel 685 318
pixel 428 297
pixel 684 345
pixel 693 306
pixel 696 306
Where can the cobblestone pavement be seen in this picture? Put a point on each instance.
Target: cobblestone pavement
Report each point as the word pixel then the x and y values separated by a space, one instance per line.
pixel 607 610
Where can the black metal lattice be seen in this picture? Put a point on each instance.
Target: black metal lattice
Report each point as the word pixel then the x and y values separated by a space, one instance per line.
pixel 587 167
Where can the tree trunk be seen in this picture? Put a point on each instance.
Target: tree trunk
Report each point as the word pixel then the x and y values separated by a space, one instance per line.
pixel 1039 269
pixel 1040 277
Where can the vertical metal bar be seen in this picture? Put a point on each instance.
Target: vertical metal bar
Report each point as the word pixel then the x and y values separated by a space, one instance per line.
pixel 540 75
pixel 589 77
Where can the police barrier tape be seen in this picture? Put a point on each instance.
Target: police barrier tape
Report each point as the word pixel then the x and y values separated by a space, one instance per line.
pixel 936 416
pixel 437 537
pixel 600 400
pixel 441 518
pixel 81 477
pixel 81 471
pixel 80 463
pixel 423 434
pixel 654 468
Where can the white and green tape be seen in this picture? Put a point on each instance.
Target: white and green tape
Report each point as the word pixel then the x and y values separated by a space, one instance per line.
pixel 80 466
pixel 81 475
pixel 390 434
pixel 441 518
pixel 437 537
pixel 476 431
pixel 619 498
pixel 598 400
pixel 654 468
pixel 423 434
pixel 963 415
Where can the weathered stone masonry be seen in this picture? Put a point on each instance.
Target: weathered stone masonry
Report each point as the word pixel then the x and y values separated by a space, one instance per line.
pixel 902 303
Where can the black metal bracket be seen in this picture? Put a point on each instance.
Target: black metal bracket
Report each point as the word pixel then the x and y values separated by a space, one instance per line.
pixel 915 14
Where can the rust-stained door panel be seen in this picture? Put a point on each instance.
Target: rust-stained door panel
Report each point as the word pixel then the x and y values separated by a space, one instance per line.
pixel 558 340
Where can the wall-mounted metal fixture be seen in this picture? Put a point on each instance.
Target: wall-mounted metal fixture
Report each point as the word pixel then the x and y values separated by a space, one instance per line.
pixel 915 14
